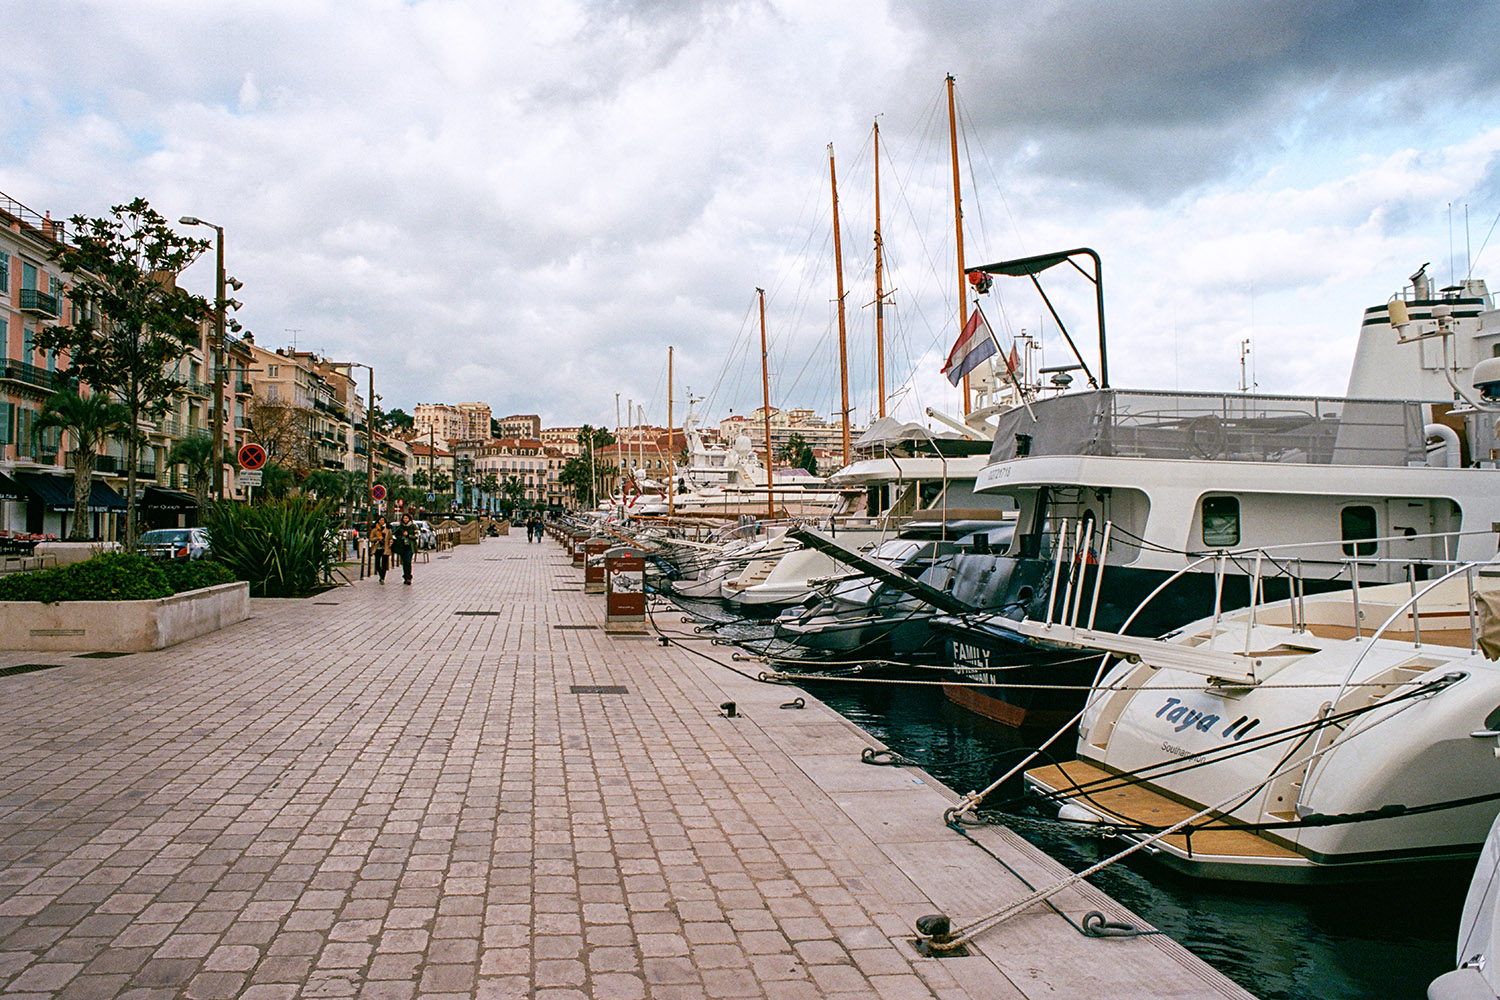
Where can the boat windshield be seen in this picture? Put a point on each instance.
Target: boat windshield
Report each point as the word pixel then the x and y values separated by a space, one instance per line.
pixel 1234 427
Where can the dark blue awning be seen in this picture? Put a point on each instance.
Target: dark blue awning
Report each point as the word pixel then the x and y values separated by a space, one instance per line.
pixel 9 490
pixel 56 492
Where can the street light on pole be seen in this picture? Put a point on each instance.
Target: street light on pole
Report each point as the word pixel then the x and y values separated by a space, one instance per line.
pixel 216 414
pixel 369 433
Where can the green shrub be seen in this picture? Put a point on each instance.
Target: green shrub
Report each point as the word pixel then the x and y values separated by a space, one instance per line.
pixel 112 576
pixel 283 548
pixel 197 574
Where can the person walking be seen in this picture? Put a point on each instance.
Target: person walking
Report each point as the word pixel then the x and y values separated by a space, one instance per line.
pixel 380 545
pixel 404 544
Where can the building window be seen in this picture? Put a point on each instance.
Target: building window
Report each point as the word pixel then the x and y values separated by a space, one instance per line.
pixel 273 371
pixel 1355 525
pixel 1221 522
pixel 4 271
pixel 28 342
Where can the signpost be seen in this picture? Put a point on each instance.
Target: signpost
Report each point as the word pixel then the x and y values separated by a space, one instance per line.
pixel 252 459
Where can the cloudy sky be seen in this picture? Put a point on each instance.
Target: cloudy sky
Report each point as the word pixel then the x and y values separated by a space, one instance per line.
pixel 527 203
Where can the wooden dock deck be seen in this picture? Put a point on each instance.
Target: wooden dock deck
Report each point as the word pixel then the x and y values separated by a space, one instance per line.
pixel 469 788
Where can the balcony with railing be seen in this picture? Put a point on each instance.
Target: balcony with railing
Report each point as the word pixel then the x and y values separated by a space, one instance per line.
pixel 30 375
pixel 39 303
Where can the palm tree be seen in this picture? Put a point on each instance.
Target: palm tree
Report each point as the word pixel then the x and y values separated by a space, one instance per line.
pixel 197 453
pixel 91 421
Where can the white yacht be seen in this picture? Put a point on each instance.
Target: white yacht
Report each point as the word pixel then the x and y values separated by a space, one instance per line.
pixel 1142 483
pixel 1332 736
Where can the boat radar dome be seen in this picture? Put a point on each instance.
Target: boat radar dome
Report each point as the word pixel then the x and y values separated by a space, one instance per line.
pixel 742 446
pixel 1486 378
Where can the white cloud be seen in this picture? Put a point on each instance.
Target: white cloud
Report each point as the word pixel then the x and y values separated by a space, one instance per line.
pixel 526 204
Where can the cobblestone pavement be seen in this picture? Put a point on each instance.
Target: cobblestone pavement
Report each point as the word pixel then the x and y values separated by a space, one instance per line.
pixel 391 792
pixel 370 794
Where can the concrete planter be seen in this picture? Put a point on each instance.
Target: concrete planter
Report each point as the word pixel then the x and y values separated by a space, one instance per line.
pixel 122 626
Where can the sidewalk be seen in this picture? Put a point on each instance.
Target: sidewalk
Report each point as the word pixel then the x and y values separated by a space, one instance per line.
pixel 371 793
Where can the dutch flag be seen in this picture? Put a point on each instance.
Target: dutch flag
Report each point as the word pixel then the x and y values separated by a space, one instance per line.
pixel 975 343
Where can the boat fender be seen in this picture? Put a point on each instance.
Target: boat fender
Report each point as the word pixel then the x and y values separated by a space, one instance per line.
pixel 1071 813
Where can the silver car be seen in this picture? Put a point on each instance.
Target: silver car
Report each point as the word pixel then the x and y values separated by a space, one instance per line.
pixel 426 535
pixel 174 543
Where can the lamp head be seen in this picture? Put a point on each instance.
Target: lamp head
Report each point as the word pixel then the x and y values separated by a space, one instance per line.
pixel 234 283
pixel 189 220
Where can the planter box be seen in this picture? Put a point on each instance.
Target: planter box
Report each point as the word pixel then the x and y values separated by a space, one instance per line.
pixel 122 626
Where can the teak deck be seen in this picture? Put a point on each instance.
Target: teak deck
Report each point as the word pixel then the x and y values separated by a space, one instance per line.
pixel 1138 805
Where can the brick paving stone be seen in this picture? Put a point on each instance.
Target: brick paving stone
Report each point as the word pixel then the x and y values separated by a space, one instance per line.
pixel 381 800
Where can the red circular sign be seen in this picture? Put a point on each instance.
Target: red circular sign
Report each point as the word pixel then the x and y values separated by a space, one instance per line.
pixel 377 492
pixel 252 457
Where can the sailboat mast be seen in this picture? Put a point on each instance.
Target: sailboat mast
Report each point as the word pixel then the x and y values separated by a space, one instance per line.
pixel 671 456
pixel 765 385
pixel 838 269
pixel 879 285
pixel 958 227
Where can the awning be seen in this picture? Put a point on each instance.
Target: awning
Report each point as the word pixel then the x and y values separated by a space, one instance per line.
pixel 56 492
pixel 9 490
pixel 160 498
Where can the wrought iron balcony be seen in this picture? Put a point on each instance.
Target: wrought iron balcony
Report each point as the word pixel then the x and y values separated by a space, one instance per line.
pixel 32 375
pixel 39 303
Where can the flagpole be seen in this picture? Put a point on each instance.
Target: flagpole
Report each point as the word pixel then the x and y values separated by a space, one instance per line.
pixel 1011 372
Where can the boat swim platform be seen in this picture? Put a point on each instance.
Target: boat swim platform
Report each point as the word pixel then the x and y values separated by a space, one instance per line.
pixel 469 788
pixel 1115 799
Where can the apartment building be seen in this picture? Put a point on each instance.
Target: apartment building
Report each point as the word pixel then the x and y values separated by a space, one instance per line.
pixel 563 439
pixel 519 425
pixel 528 460
pixel 31 294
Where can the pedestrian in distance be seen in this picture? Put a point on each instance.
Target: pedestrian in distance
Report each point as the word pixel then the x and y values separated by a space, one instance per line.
pixel 404 544
pixel 380 546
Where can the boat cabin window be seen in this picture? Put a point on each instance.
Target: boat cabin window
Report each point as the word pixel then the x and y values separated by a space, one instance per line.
pixel 1356 523
pixel 1221 522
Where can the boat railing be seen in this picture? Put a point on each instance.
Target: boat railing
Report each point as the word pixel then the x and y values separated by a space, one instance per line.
pixel 1073 551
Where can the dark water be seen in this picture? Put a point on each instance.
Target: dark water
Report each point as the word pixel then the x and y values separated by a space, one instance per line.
pixel 1299 943
pixel 1340 942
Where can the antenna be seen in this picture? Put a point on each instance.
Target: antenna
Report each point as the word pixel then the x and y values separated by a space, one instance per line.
pixel 293 330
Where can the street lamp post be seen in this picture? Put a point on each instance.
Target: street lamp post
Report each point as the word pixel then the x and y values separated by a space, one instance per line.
pixel 369 434
pixel 216 415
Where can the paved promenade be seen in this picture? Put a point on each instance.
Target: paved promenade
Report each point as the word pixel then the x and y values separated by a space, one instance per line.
pixel 373 794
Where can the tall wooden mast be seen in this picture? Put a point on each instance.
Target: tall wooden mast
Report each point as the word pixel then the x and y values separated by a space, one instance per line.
pixel 958 228
pixel 765 385
pixel 671 454
pixel 879 285
pixel 838 269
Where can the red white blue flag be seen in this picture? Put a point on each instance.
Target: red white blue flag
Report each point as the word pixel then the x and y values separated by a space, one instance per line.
pixel 975 343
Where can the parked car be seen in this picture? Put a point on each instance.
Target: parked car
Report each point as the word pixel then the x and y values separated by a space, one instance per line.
pixel 174 543
pixel 426 535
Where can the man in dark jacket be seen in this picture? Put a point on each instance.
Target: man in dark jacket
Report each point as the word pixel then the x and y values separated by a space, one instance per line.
pixel 403 544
